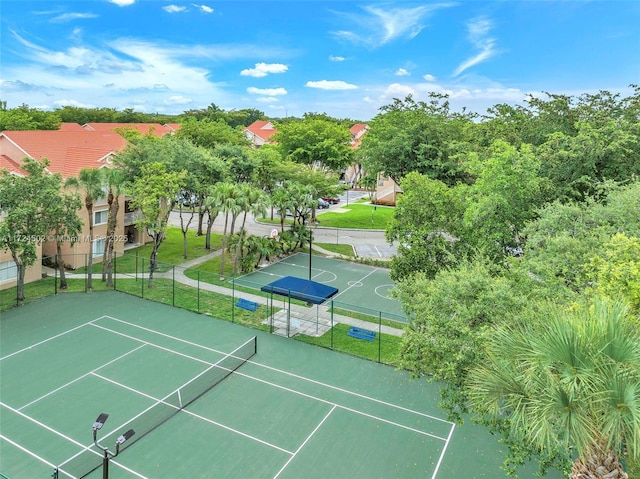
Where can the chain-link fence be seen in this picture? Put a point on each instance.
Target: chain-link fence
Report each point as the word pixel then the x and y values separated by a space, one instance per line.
pixel 354 329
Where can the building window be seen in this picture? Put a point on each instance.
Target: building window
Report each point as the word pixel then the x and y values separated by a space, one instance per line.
pixel 98 247
pixel 8 271
pixel 100 217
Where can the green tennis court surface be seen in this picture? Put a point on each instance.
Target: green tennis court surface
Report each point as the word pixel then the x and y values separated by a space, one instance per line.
pixel 290 411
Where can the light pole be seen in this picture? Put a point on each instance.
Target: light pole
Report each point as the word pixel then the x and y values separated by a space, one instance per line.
pixel 97 425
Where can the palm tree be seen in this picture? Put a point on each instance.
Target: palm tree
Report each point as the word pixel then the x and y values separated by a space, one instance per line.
pixel 90 181
pixel 114 180
pixel 226 197
pixel 571 381
pixel 253 201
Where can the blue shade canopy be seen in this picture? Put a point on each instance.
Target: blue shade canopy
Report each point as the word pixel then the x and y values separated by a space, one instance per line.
pixel 302 289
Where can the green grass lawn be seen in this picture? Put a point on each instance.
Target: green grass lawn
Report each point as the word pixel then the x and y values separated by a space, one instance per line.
pixel 385 348
pixel 359 216
pixel 171 252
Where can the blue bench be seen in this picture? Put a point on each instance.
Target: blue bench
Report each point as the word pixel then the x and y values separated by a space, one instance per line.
pixel 246 304
pixel 361 333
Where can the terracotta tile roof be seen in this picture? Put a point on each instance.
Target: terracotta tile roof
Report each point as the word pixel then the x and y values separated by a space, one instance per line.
pixel 67 151
pixel 144 128
pixel 11 166
pixel 262 129
pixel 70 127
pixel 173 126
pixel 357 128
pixel 357 132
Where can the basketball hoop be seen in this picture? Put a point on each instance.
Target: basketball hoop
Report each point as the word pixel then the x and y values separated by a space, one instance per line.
pixel 274 234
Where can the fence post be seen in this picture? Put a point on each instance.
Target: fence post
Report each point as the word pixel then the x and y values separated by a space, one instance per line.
pixel 86 273
pixel 114 271
pixel 379 336
pixel 331 324
pixel 233 300
pixel 142 278
pixel 55 278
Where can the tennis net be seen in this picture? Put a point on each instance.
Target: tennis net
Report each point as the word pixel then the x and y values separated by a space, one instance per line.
pixel 89 459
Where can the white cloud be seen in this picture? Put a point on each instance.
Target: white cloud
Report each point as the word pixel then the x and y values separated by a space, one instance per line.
pixel 478 29
pixel 177 100
pixel 396 89
pixel 267 99
pixel 380 26
pixel 402 72
pixel 123 3
pixel 68 17
pixel 174 9
pixel 77 104
pixel 331 85
pixel 263 69
pixel 336 58
pixel 266 91
pixel 204 8
pixel 429 78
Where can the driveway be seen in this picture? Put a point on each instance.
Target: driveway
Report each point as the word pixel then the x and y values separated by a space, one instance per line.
pixel 367 243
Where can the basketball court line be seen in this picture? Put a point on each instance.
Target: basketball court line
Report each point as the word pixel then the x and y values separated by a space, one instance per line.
pixel 334 405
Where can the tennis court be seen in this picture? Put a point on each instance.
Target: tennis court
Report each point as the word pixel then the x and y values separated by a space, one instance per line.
pixel 289 411
pixel 361 287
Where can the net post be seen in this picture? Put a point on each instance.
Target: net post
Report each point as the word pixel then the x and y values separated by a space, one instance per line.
pixel 173 286
pixel 233 300
pixel 198 290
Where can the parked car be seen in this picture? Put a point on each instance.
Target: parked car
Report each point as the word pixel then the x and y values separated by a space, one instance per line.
pixel 332 200
pixel 322 203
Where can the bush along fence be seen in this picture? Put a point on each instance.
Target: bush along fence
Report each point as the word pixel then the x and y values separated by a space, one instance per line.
pixel 353 329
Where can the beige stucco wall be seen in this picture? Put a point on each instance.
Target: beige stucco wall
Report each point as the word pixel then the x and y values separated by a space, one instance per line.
pixel 76 255
pixel 33 273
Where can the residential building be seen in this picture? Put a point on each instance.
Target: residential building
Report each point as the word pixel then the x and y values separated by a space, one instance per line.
pixel 69 150
pixel 260 132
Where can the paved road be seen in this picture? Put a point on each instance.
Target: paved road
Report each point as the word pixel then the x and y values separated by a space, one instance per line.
pixel 367 243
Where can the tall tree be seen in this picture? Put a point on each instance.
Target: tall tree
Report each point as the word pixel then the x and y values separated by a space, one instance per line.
pixel 114 180
pixel 571 382
pixel 414 136
pixel 65 226
pixel 255 203
pixel 25 202
pixel 154 193
pixel 315 142
pixel 90 182
pixel 427 226
pixel 226 198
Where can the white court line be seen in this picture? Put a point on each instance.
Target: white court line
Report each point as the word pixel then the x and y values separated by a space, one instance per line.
pixel 391 405
pixel 304 442
pixel 24 449
pixel 297 376
pixel 356 411
pixel 444 450
pixel 50 339
pixel 354 283
pixel 153 345
pixel 178 409
pixel 79 378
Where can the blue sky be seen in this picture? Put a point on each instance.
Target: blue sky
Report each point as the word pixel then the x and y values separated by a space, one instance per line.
pixel 343 58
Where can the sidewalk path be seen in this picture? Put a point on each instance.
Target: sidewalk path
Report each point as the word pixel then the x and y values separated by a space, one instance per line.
pixel 323 318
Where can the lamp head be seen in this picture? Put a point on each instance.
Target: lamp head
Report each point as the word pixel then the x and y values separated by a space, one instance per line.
pixel 99 422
